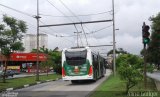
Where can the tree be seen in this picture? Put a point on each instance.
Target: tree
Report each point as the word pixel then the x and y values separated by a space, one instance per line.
pixel 11 34
pixel 47 64
pixel 54 57
pixel 130 69
pixel 153 51
pixel 41 50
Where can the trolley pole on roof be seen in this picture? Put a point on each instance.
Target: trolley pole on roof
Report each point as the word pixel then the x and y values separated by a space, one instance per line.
pixel 77 37
pixel 114 45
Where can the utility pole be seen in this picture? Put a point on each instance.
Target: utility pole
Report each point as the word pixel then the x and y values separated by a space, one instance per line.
pixel 114 45
pixel 37 64
pixel 77 37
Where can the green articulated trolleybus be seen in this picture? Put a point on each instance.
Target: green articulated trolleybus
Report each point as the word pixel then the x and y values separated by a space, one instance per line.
pixel 82 64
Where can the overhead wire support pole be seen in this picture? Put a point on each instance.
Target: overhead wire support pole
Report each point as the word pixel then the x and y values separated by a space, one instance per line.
pixel 37 63
pixel 17 10
pixel 114 45
pixel 88 22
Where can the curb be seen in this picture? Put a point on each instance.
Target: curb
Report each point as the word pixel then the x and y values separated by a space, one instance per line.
pixel 9 89
pixel 38 82
pixel 47 80
pixel 27 85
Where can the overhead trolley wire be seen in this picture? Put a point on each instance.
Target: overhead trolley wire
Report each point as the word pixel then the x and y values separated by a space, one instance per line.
pixel 69 9
pixel 58 10
pixel 27 14
pixel 84 34
pixel 61 13
pixel 77 15
pixel 100 29
pixel 64 15
pixel 71 12
pixel 33 26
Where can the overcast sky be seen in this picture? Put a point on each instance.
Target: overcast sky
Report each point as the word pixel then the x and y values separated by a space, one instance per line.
pixel 129 17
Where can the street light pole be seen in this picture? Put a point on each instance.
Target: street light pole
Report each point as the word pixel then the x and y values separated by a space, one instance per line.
pixel 37 64
pixel 114 46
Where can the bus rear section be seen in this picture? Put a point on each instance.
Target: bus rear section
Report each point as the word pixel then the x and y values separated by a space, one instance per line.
pixel 76 65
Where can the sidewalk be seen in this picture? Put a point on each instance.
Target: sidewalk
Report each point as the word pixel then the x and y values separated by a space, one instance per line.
pixel 156 77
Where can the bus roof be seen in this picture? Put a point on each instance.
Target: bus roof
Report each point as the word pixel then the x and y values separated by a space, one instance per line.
pixel 76 49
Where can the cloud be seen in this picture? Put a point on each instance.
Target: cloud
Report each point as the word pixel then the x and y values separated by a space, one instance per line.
pixel 126 41
pixel 129 17
pixel 130 43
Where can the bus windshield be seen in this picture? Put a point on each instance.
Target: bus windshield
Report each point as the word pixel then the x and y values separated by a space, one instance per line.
pixel 76 58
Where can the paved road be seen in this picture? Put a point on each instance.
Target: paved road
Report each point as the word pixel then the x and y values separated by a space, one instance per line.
pixel 61 88
pixel 154 75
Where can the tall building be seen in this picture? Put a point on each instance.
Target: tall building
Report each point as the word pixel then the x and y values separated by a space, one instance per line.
pixel 30 41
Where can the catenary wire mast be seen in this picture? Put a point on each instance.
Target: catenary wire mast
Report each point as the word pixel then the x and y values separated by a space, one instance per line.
pixel 37 64
pixel 114 43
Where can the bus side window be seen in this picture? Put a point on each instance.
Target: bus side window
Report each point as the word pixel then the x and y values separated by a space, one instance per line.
pixel 94 60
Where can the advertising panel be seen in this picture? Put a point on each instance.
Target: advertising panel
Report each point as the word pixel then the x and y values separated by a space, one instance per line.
pixel 13 67
pixel 27 57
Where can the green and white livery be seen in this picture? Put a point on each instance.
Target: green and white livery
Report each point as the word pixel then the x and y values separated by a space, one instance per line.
pixel 82 64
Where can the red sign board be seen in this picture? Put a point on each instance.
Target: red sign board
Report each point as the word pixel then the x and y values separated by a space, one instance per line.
pixel 27 57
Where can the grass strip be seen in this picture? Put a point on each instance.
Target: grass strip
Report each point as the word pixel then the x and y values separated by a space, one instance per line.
pixel 20 82
pixel 115 87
